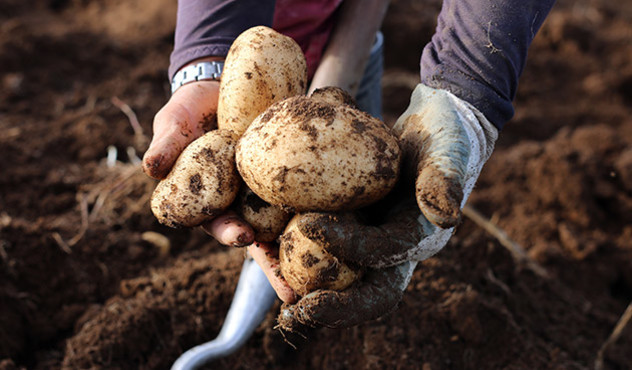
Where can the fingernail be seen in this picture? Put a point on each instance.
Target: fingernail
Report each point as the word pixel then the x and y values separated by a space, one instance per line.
pixel 153 166
pixel 242 240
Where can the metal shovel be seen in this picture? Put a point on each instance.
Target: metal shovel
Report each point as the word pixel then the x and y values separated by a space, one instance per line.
pixel 253 298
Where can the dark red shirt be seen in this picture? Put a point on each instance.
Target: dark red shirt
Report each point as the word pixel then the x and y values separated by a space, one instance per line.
pixel 208 27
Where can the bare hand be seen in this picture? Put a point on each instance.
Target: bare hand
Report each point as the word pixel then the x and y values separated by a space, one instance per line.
pixel 191 112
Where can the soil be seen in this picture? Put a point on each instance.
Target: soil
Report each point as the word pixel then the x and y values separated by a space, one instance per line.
pixel 83 286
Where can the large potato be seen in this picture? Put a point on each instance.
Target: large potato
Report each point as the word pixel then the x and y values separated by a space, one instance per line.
pixel 261 68
pixel 306 266
pixel 268 221
pixel 309 154
pixel 202 183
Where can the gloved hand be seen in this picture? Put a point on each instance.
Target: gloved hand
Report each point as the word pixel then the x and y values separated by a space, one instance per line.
pixel 189 114
pixel 446 142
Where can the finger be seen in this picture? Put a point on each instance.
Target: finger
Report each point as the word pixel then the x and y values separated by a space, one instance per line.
pixel 375 296
pixel 437 151
pixel 373 246
pixel 187 115
pixel 230 229
pixel 267 257
pixel 439 189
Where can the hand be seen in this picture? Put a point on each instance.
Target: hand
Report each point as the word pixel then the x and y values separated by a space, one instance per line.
pixel 266 255
pixel 445 142
pixel 189 113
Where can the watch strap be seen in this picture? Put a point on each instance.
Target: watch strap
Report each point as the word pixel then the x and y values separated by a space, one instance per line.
pixel 197 72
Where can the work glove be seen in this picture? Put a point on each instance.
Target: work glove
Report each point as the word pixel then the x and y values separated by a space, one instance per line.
pixel 445 141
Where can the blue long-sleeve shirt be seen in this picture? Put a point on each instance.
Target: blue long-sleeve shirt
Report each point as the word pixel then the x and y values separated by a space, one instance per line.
pixel 478 51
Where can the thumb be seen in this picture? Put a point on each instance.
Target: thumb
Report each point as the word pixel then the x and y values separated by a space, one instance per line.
pixel 376 295
pixel 437 149
pixel 365 245
pixel 189 114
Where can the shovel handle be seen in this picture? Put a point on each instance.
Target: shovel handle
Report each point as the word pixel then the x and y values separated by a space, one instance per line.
pixel 253 298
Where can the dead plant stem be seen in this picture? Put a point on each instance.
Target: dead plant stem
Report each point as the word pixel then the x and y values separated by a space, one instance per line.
pixel 514 248
pixel 131 116
pixel 624 320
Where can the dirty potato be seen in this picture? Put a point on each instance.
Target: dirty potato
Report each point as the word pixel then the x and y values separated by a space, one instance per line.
pixel 268 221
pixel 202 183
pixel 306 266
pixel 333 95
pixel 309 154
pixel 261 68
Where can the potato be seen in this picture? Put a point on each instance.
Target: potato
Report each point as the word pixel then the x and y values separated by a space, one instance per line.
pixel 261 68
pixel 308 154
pixel 333 95
pixel 202 183
pixel 306 266
pixel 267 220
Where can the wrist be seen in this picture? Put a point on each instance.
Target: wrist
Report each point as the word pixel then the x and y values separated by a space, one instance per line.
pixel 200 69
pixel 482 136
pixel 476 125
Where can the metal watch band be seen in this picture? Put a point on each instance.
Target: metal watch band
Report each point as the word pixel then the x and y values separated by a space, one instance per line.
pixel 197 72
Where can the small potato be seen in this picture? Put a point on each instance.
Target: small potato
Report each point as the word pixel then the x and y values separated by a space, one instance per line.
pixel 333 95
pixel 261 68
pixel 202 183
pixel 306 266
pixel 267 220
pixel 308 154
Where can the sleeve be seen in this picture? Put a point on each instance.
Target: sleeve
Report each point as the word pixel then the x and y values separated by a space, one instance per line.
pixel 209 27
pixel 479 50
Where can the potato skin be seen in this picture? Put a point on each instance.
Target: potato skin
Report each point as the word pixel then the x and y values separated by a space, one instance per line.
pixel 202 183
pixel 261 68
pixel 309 155
pixel 306 266
pixel 267 220
pixel 333 95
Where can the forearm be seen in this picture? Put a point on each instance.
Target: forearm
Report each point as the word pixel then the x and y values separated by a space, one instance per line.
pixel 345 58
pixel 207 28
pixel 479 51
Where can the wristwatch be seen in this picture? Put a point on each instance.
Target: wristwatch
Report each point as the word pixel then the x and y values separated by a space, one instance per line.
pixel 197 72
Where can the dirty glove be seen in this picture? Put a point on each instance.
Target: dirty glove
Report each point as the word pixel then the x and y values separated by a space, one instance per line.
pixel 445 142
